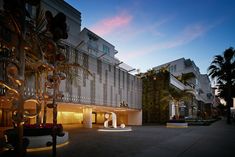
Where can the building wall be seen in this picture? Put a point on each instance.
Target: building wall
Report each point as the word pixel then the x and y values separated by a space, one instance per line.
pixel 200 84
pixel 183 66
pixel 109 85
pixel 94 45
pixel 73 17
pixel 205 85
pixel 135 118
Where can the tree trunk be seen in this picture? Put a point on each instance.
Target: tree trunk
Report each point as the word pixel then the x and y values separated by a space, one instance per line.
pixel 20 103
pixel 228 112
pixel 45 114
pixel 229 101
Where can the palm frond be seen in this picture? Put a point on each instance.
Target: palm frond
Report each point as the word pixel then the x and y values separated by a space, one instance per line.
pixel 218 61
pixel 40 21
pixel 222 70
pixel 229 54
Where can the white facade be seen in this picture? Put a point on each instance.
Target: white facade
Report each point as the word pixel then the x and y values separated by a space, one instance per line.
pixel 206 92
pixel 108 87
pixel 200 83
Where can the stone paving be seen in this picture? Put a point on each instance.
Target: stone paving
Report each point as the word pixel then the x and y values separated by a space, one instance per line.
pixel 215 140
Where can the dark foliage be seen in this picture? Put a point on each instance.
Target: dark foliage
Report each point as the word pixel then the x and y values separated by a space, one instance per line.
pixel 57 25
pixel 154 110
pixel 222 70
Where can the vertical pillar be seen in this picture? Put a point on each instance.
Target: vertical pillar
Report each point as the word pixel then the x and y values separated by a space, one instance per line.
pixel 87 117
pixel 173 110
pixel 114 120
pixel 170 110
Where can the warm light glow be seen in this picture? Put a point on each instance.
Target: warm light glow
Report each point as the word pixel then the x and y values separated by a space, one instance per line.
pixel 70 117
pixel 121 110
pixel 46 148
pixel 31 100
pixel 100 117
pixel 27 114
pixel 18 82
pixel 93 118
pixel 9 88
pixel 115 129
pixel 87 117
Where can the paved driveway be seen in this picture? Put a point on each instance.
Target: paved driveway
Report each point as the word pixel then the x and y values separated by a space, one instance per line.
pixel 149 141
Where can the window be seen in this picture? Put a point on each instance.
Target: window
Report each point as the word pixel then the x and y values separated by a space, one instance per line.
pixel 99 69
pixel 174 68
pixel 106 76
pixel 106 49
pixel 123 79
pixel 86 66
pixel 114 76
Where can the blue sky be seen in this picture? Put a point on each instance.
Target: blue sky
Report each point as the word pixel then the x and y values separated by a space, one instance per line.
pixel 147 33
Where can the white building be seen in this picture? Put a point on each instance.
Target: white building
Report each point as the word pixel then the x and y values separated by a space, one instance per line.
pixel 200 83
pixel 110 88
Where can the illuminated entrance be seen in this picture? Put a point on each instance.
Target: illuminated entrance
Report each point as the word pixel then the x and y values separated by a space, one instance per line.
pixel 91 114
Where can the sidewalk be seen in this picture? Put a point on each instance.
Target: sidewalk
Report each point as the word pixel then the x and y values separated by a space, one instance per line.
pixel 217 140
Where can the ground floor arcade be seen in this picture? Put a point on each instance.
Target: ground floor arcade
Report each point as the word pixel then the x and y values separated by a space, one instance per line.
pixel 70 113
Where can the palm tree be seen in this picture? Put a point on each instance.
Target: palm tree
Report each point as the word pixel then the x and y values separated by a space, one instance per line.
pixel 222 70
pixel 176 96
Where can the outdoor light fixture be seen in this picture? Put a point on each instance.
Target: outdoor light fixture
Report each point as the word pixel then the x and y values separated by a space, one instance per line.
pixel 131 70
pixel 118 63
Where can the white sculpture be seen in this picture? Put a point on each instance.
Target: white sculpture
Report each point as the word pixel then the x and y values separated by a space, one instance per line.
pixel 122 125
pixel 114 120
pixel 106 123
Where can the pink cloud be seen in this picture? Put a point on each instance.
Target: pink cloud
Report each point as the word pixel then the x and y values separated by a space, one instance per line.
pixel 133 31
pixel 111 24
pixel 189 34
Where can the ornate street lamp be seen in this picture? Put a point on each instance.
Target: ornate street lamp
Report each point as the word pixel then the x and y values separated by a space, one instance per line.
pixel 58 28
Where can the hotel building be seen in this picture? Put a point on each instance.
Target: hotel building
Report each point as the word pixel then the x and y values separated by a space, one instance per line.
pixel 110 87
pixel 199 83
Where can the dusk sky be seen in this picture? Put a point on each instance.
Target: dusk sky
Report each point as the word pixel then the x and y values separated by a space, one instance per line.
pixel 147 33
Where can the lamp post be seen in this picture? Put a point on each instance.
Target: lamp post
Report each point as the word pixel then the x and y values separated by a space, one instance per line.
pixel 58 28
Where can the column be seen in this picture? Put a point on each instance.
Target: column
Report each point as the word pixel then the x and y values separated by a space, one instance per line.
pixel 87 117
